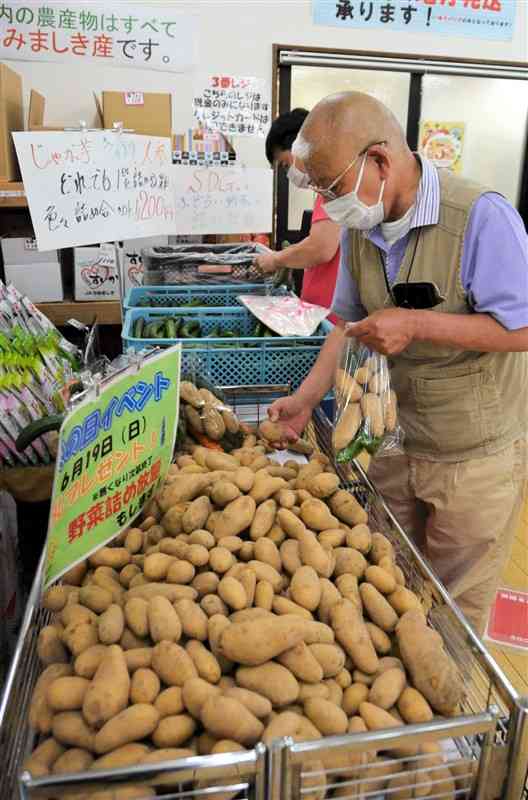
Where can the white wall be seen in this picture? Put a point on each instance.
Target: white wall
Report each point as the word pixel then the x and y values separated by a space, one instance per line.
pixel 235 36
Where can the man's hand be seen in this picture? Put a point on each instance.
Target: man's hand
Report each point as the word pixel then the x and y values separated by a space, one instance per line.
pixel 267 262
pixel 388 331
pixel 293 414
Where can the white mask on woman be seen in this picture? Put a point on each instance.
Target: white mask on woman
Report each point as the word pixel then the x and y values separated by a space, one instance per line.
pixel 352 212
pixel 298 178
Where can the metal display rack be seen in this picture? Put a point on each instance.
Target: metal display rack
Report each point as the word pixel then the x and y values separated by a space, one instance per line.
pixel 486 746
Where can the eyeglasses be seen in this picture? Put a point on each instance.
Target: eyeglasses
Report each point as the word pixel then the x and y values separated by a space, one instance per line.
pixel 328 193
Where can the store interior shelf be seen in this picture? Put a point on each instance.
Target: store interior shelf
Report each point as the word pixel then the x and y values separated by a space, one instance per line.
pixel 12 195
pixel 108 312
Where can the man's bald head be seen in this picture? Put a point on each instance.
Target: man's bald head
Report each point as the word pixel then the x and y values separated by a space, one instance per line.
pixel 342 125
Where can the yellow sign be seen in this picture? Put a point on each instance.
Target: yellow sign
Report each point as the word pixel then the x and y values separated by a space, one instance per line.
pixel 442 143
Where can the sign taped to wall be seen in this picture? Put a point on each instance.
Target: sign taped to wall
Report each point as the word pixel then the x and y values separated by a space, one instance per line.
pixel 443 143
pixel 96 186
pixel 113 34
pixel 476 19
pixel 233 105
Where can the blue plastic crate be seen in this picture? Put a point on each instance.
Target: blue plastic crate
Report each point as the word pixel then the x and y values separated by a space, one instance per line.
pixel 216 295
pixel 244 361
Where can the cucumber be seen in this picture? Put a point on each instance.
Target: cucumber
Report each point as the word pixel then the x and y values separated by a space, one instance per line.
pixel 137 331
pixel 36 429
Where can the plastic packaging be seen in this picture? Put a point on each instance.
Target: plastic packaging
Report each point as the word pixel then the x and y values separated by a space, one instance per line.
pixel 287 316
pixel 366 406
pixel 194 263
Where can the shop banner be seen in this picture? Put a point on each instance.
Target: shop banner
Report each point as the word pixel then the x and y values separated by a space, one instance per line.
pixel 114 453
pixel 113 34
pixel 233 106
pixel 95 186
pixel 477 19
pixel 222 200
pixel 442 143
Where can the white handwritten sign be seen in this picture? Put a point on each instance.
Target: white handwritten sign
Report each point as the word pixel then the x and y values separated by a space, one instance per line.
pixel 112 34
pixel 222 200
pixel 99 186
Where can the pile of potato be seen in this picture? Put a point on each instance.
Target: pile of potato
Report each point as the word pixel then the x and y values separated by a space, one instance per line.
pixel 252 602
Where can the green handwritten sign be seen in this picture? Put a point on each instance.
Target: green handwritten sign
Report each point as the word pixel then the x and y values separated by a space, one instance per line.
pixel 114 454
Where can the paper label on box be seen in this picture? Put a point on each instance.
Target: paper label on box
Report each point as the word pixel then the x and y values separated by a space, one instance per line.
pixel 97 275
pixel 30 244
pixel 134 99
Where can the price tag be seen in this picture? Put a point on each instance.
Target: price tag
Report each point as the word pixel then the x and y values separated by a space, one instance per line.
pixel 134 99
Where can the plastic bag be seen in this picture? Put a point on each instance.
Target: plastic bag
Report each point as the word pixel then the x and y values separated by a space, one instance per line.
pixel 366 406
pixel 287 316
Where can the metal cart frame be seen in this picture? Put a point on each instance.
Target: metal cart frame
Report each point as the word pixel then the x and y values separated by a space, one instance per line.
pixel 491 738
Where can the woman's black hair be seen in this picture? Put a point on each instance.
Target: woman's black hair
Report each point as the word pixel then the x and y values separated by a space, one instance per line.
pixel 283 132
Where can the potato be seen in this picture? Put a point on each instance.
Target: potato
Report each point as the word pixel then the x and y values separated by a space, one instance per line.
pixel 271 680
pixel 172 664
pixel 163 621
pixel 403 600
pixel 115 557
pixel 381 548
pixel 75 575
pixel 138 657
pixel 70 729
pixel 169 702
pixel 330 595
pixel 212 604
pixel 323 485
pixel 224 492
pixel 174 730
pixel 196 514
pixel 102 579
pixel 236 517
pixel 259 706
pixel 307 690
pixel 205 662
pixel 80 637
pixel 232 593
pixel 327 717
pixel 203 537
pixel 172 592
pixel 346 508
pixel 206 583
pixel 289 553
pixel 95 598
pixel 50 648
pixel 263 520
pixel 433 672
pixel 55 598
pixel 128 573
pixel 172 519
pixel 111 625
pixel 265 487
pixel 289 723
pixel 244 478
pixel 75 613
pixel 307 472
pixel 353 697
pixel 197 555
pixel 282 606
pixel 352 634
pixel 413 706
pixel 343 679
pixel 134 540
pixel 377 719
pixel 195 694
pixel 350 562
pixel 378 609
pixel 360 538
pixel 129 641
pixel 313 555
pixel 184 488
pixel 108 692
pixel 227 718
pixel 67 693
pixel 381 579
pixel 347 585
pixel 330 657
pixel 302 663
pixel 387 688
pixel 285 498
pixel 44 758
pixel 85 665
pixel 264 595
pixel 131 725
pixel 267 552
pixel 220 559
pixel 316 515
pixel 220 461
pixel 305 588
pixel 380 640
pixel 291 524
pixel 259 641
pixel 246 552
pixel 136 616
pixel 362 677
pixel 73 760
pixel 144 687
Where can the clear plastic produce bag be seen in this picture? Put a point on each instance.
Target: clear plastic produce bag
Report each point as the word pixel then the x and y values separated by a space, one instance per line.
pixel 366 406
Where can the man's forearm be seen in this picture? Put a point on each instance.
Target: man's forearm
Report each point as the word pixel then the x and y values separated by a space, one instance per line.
pixel 299 256
pixel 477 332
pixel 321 377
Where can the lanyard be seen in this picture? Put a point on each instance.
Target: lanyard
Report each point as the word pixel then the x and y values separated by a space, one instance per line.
pixel 384 270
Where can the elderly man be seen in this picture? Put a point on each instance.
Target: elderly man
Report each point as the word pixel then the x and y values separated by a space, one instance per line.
pixel 433 273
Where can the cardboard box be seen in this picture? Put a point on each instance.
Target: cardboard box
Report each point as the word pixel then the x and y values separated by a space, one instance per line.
pixel 11 119
pixel 41 282
pixel 144 113
pixel 23 250
pixel 37 108
pixel 95 273
pixel 132 265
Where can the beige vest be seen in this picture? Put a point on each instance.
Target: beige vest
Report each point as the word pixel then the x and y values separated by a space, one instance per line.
pixel 453 404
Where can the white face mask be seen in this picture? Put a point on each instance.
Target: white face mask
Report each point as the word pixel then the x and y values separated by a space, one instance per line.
pixel 351 212
pixel 298 178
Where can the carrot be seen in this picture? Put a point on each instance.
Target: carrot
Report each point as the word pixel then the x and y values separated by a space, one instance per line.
pixel 206 442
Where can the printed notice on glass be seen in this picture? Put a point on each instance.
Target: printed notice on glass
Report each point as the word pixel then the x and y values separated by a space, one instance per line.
pixel 222 199
pixel 95 186
pixel 234 106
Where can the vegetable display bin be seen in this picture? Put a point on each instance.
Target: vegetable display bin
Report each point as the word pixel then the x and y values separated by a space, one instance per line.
pixel 181 263
pixel 198 295
pixel 243 360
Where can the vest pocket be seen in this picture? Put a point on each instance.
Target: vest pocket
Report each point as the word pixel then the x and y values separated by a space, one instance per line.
pixel 457 414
